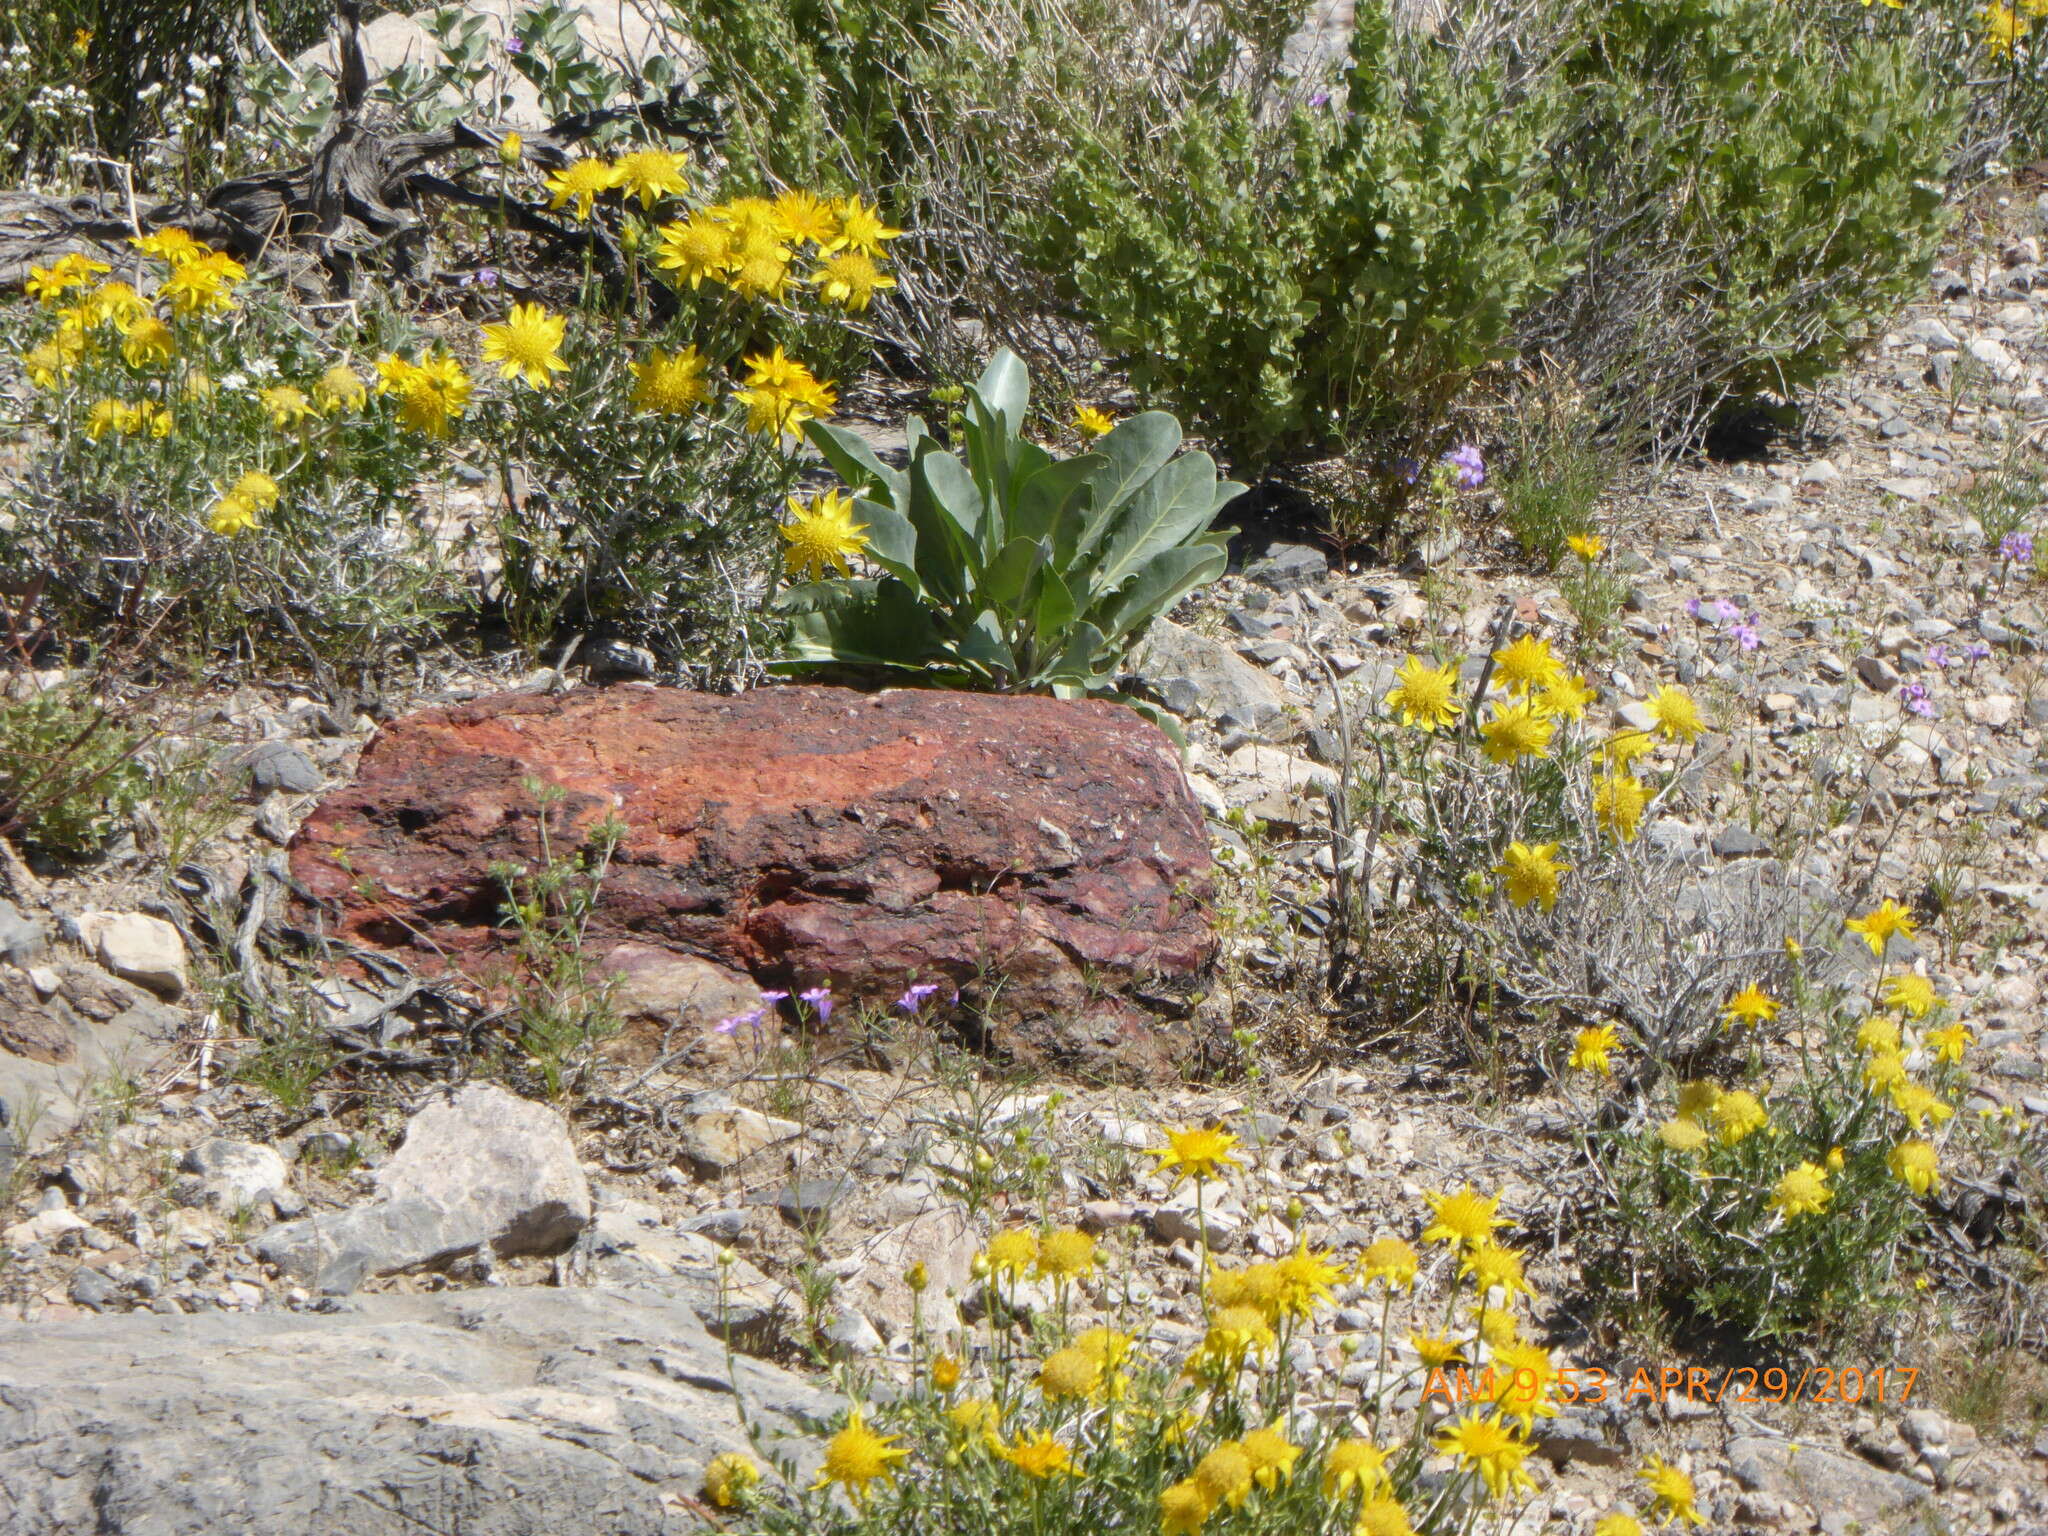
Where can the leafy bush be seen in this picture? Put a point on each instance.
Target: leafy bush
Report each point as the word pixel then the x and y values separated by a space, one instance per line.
pixel 1791 1209
pixel 1011 571
pixel 1754 200
pixel 154 410
pixel 68 770
pixel 1739 1179
pixel 1331 280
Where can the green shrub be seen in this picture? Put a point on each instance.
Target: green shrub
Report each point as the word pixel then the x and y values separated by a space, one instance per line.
pixel 1707 1215
pixel 1010 570
pixel 1755 200
pixel 1332 279
pixel 68 771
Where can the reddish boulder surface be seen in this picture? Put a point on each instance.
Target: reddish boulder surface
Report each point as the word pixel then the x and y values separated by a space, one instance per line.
pixel 1045 857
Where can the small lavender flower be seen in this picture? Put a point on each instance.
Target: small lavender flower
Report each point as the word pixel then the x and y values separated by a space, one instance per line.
pixel 2016 547
pixel 1976 650
pixel 515 45
pixel 1914 697
pixel 1692 606
pixel 752 1020
pixel 1408 469
pixel 913 998
pixel 1320 99
pixel 1471 468
pixel 1746 633
pixel 1726 612
pixel 773 999
pixel 819 998
pixel 1938 657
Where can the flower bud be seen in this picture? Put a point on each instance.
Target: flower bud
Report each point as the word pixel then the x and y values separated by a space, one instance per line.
pixel 917 1277
pixel 509 150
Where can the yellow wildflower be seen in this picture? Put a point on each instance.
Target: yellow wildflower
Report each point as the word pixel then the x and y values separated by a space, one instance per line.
pixel 1515 733
pixel 1465 1219
pixel 1879 924
pixel 286 404
pixel 340 388
pixel 650 175
pixel 696 248
pixel 728 1477
pixel 1182 1509
pixel 528 345
pixel 1682 1133
pixel 1912 993
pixel 1012 1252
pixel 1619 800
pixel 1353 1466
pixel 1590 1048
pixel 1624 747
pixel 670 383
pixel 861 227
pixel 822 535
pixel 1225 1475
pixel 1739 1114
pixel 1587 546
pixel 1481 1442
pixel 1752 1005
pixel 1916 1165
pixel 856 1456
pixel 1531 874
pixel 1090 422
pixel 850 279
pixel 582 182
pixel 1195 1152
pixel 1676 715
pixel 1271 1456
pixel 1949 1042
pixel 1425 697
pixel 805 218
pixel 1527 665
pixel 1919 1104
pixel 1673 1491
pixel 1389 1259
pixel 1803 1190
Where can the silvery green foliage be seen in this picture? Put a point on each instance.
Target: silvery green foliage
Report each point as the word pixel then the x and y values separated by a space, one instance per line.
pixel 1005 568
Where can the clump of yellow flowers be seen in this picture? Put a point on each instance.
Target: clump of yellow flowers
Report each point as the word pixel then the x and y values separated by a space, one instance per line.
pixel 1784 1203
pixel 1066 1408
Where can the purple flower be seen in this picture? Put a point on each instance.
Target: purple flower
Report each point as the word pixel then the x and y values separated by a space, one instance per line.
pixel 731 1025
pixel 1746 634
pixel 1692 606
pixel 1976 650
pixel 1320 99
pixel 913 998
pixel 772 999
pixel 1937 657
pixel 1914 697
pixel 1470 466
pixel 1408 469
pixel 515 45
pixel 482 277
pixel 1725 612
pixel 2016 547
pixel 819 998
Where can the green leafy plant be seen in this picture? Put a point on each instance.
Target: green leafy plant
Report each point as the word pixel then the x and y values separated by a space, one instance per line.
pixel 1330 279
pixel 68 770
pixel 1755 194
pixel 1010 570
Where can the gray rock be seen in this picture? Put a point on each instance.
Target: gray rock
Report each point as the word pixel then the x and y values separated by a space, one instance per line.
pixel 1200 678
pixel 719 1137
pixel 139 948
pixel 21 937
pixel 1738 842
pixel 1824 1480
pixel 278 765
pixel 1877 673
pixel 1289 567
pixel 492 1413
pixel 808 1203
pixel 484 1167
pixel 616 661
pixel 627 1244
pixel 233 1175
pixel 91 1289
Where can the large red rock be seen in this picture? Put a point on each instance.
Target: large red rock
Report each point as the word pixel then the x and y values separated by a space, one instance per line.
pixel 1043 856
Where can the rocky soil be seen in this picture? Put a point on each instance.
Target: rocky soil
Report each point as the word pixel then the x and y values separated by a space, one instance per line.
pixel 454 1293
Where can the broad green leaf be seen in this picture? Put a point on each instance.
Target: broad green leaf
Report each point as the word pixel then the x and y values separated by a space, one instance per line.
pixel 1168 510
pixel 1008 575
pixel 892 542
pixel 1135 447
pixel 1053 496
pixel 1055 610
pixel 984 647
pixel 863 623
pixel 955 494
pixel 853 460
pixel 1005 388
pixel 1159 583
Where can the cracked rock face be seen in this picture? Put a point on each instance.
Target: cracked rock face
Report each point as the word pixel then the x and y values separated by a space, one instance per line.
pixel 1044 857
pixel 503 1413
